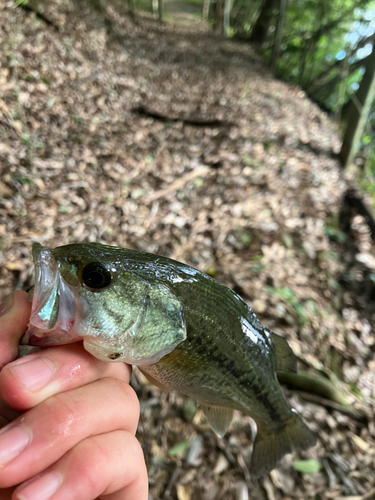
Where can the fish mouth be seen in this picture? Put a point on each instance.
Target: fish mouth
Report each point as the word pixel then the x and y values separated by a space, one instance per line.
pixel 53 303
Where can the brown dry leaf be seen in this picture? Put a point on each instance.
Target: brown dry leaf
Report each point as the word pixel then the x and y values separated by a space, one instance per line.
pixel 183 492
pixel 251 203
pixel 360 444
pixel 5 191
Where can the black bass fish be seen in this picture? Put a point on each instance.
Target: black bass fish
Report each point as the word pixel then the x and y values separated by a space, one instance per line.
pixel 184 330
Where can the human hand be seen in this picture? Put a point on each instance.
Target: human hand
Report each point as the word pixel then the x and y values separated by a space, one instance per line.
pixel 75 437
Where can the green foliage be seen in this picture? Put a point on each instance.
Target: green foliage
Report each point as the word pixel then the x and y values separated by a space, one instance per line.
pixel 366 174
pixel 26 139
pixel 196 2
pixel 334 234
pixel 256 258
pixel 257 269
pixel 189 409
pixel 137 193
pixel 143 5
pixel 320 43
pixel 302 311
pixel 62 209
pixel 211 271
pixel 179 448
pixel 287 240
pixel 22 179
pixel 230 32
pixel 325 48
pixel 244 14
pixel 316 40
pixel 307 466
pixel 251 162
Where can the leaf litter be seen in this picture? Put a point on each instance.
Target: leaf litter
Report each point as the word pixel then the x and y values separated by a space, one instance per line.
pixel 253 201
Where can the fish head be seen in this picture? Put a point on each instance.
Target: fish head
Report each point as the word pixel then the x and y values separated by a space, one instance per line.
pixel 88 292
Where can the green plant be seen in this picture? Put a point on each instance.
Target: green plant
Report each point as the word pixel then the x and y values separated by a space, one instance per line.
pixel 302 311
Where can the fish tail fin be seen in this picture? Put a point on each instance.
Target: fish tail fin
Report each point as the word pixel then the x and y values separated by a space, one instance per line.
pixel 270 447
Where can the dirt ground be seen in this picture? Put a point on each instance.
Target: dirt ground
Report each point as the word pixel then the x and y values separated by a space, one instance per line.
pixel 170 140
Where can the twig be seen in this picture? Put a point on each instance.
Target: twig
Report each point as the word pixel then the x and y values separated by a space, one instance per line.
pixel 197 122
pixel 315 384
pixel 313 398
pixel 241 462
pixel 173 480
pixel 370 495
pixel 178 184
pixel 39 15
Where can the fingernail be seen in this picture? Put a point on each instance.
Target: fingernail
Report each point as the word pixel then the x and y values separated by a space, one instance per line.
pixel 33 373
pixel 12 442
pixel 41 488
pixel 6 305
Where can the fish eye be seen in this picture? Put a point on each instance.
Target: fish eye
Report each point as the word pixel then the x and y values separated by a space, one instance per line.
pixel 96 276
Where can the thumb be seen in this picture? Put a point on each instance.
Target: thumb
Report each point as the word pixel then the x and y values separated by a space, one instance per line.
pixel 14 317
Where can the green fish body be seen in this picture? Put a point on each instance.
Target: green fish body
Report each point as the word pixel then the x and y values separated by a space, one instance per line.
pixel 184 330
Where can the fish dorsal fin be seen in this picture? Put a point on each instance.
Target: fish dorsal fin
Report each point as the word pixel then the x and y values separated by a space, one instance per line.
pixel 285 358
pixel 218 417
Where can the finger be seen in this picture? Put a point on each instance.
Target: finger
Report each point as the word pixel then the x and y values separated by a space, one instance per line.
pixel 14 317
pixel 28 381
pixel 42 435
pixel 99 465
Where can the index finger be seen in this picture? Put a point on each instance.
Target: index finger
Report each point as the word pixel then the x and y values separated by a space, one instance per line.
pixel 27 382
pixel 14 317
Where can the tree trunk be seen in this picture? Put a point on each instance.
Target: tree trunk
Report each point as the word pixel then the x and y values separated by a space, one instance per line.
pixel 278 36
pixel 260 29
pixel 342 90
pixel 219 14
pixel 358 112
pixel 226 18
pixel 160 10
pixel 206 9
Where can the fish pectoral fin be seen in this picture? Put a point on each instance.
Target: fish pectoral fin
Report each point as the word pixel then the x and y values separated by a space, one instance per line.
pixel 285 358
pixel 270 446
pixel 153 380
pixel 218 417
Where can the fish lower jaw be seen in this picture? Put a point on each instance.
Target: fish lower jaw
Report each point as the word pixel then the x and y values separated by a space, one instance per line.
pixel 38 332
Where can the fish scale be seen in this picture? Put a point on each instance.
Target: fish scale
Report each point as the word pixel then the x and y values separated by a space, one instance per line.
pixel 183 329
pixel 248 379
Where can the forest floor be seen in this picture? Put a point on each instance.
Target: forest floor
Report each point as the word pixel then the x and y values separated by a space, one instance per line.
pixel 120 130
